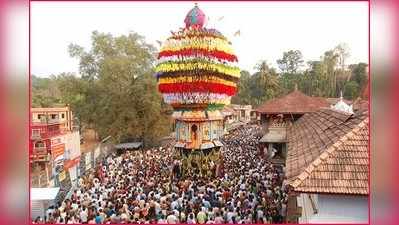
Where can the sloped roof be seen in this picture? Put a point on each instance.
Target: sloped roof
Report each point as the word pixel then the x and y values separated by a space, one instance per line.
pixel 294 102
pixel 327 152
pixel 360 105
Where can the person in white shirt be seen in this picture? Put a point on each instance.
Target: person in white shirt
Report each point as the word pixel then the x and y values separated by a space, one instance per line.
pixel 83 215
pixel 174 205
pixel 191 218
pixel 172 219
pixel 74 206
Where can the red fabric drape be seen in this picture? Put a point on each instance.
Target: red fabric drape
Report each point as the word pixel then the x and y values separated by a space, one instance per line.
pixel 197 87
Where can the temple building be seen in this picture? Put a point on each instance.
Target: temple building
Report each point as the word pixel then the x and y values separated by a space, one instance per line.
pixel 327 167
pixel 237 115
pixel 289 108
pixel 277 115
pixel 341 105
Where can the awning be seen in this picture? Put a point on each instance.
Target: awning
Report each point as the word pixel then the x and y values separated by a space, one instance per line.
pixel 275 135
pixel 207 145
pixel 227 113
pixel 130 145
pixel 179 145
pixel 235 125
pixel 44 193
pixel 218 143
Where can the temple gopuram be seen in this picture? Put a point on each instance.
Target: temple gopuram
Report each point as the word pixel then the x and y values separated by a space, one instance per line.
pixel 197 75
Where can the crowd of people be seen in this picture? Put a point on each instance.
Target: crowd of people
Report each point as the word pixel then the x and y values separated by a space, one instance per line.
pixel 138 187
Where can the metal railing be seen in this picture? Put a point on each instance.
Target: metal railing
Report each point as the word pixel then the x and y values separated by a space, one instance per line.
pixel 45 120
pixel 40 158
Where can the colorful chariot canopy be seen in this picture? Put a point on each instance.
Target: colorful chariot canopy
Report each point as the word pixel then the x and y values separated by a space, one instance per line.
pixel 195 17
pixel 196 66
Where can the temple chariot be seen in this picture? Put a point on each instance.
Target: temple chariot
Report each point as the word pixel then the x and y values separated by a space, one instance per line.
pixel 197 75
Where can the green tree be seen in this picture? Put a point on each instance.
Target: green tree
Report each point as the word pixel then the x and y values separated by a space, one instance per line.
pixel 342 53
pixel 316 79
pixel 359 74
pixel 78 93
pixel 243 95
pixel 291 61
pixel 351 90
pixel 263 84
pixel 117 94
pixel 290 75
pixel 342 74
pixel 330 60
pixel 44 92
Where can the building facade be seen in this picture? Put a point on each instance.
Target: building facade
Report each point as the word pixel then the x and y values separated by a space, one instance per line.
pixel 242 113
pixel 277 115
pixel 330 208
pixel 327 167
pixel 60 115
pixel 54 146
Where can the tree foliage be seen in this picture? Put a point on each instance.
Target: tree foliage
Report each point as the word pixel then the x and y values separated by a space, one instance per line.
pixel 116 93
pixel 259 87
pixel 44 92
pixel 291 62
pixel 351 90
pixel 326 77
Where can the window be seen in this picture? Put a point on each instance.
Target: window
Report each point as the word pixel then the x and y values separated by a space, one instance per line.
pixel 40 116
pixel 53 116
pixel 63 116
pixel 39 144
pixel 242 113
pixel 35 132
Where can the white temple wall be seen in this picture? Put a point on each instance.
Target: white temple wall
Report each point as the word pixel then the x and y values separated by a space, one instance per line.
pixel 333 208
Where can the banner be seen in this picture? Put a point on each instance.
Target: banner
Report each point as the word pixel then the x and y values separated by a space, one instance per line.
pixel 57 151
pixel 97 153
pixel 88 160
pixel 62 176
pixel 72 149
pixel 71 163
pixel 73 173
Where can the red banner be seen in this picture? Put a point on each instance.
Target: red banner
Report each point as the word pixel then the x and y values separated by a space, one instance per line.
pixel 57 150
pixel 70 163
pixel 205 87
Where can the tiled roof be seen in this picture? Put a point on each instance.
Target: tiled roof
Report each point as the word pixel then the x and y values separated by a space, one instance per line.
pixel 294 102
pixel 360 105
pixel 327 152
